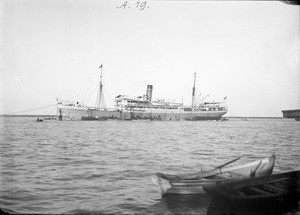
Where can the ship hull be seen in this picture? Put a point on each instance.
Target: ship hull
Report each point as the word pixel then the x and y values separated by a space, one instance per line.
pixel 76 113
pixel 172 115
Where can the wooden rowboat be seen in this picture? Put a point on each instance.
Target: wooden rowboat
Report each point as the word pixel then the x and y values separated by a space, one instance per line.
pixel 195 182
pixel 271 191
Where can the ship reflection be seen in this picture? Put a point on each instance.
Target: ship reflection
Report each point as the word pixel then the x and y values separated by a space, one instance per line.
pixel 204 204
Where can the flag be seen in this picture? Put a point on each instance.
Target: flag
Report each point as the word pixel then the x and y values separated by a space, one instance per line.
pixel 100 67
pixel 225 98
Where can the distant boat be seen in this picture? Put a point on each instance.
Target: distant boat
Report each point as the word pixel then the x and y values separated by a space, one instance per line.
pixel 39 119
pixel 264 191
pixel 196 183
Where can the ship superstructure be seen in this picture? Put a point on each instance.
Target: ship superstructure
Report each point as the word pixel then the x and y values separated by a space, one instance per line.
pixel 143 108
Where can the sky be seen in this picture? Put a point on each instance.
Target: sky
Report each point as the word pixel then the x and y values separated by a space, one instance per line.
pixel 247 51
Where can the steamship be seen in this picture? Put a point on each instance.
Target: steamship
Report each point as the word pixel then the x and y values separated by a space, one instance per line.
pixel 142 108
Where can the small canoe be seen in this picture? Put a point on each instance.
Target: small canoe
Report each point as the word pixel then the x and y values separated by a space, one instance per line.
pixel 264 191
pixel 194 183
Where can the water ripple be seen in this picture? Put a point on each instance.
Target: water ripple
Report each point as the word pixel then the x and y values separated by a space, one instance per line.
pixel 105 167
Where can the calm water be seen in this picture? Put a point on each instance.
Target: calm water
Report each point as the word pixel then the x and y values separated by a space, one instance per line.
pixel 105 167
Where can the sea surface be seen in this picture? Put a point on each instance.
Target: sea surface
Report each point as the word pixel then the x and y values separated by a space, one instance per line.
pixel 78 167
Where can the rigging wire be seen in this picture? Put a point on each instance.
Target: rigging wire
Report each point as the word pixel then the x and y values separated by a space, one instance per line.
pixel 185 86
pixel 78 94
pixel 13 113
pixel 97 99
pixel 197 100
pixel 188 88
pixel 107 95
pixel 102 101
pixel 204 98
pixel 70 95
pixel 90 85
pixel 51 111
pixel 84 82
pixel 85 90
pixel 91 94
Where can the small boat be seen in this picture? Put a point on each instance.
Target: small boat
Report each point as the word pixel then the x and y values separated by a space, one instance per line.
pixel 194 183
pixel 39 119
pixel 265 191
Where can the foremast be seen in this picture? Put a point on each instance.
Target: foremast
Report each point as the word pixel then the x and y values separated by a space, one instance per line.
pixel 194 89
pixel 100 98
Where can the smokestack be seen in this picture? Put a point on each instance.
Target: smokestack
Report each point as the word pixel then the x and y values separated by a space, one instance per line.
pixel 149 93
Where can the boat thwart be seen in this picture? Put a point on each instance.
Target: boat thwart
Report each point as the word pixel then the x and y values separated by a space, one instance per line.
pixel 264 191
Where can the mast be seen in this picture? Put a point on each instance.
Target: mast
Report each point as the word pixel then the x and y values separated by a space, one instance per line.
pixel 100 87
pixel 193 94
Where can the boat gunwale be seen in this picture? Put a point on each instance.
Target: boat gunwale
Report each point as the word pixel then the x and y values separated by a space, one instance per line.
pixel 270 160
pixel 232 190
